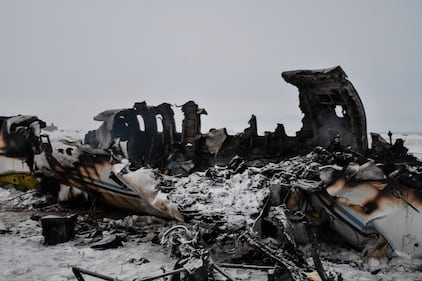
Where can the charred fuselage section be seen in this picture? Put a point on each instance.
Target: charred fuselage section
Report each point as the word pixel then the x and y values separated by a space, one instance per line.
pixel 333 112
pixel 19 136
pixel 145 136
pixel 331 107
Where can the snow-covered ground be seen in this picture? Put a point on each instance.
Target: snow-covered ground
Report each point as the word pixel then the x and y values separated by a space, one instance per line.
pixel 23 256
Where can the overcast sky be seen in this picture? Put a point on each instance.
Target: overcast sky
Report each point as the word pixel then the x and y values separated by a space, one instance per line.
pixel 66 61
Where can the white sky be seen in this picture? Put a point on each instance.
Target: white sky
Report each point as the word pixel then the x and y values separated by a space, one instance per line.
pixel 66 61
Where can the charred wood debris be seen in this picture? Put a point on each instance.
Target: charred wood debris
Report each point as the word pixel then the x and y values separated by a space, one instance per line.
pixel 246 200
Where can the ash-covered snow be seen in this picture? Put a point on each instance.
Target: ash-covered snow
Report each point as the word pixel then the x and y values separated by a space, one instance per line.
pixel 352 267
pixel 24 257
pixel 14 199
pixel 236 199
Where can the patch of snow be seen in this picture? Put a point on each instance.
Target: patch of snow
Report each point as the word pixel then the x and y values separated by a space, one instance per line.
pixel 238 199
pixel 11 198
pixel 24 257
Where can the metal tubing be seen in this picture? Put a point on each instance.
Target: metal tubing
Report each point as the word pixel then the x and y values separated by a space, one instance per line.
pixel 216 267
pixel 163 275
pixel 246 266
pixel 78 274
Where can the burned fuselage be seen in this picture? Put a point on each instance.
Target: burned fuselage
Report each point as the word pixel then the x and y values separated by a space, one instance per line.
pixel 133 134
pixel 19 143
pixel 320 93
pixel 331 107
pixel 122 163
pixel 362 202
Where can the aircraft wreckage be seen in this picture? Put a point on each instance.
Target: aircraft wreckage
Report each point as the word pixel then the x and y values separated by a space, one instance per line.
pixel 273 185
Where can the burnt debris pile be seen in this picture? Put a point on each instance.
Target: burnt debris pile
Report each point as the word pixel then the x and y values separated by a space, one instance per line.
pixel 234 201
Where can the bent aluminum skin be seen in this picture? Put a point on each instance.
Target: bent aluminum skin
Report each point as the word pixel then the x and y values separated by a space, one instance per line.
pixel 361 208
